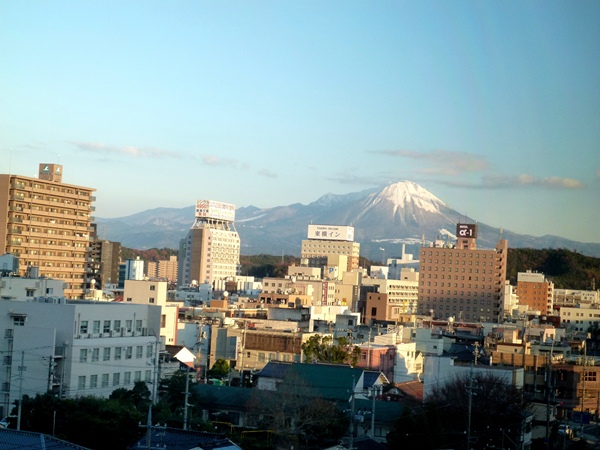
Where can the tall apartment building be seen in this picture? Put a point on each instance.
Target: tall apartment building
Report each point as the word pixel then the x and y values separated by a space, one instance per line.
pixel 107 254
pixel 47 224
pixel 535 291
pixel 165 270
pixel 211 249
pixel 461 280
pixel 329 240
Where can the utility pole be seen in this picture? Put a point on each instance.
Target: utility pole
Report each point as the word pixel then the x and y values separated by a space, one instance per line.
pixel 583 385
pixel 470 389
pixel 352 417
pixel 21 369
pixel 187 393
pixel 548 387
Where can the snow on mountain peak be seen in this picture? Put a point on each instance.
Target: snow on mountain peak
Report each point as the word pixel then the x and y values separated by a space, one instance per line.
pixel 404 193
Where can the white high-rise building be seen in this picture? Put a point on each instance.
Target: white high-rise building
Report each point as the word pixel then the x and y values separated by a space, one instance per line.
pixel 211 250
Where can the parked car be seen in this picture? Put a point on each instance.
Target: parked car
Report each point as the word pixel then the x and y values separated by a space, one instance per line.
pixel 565 430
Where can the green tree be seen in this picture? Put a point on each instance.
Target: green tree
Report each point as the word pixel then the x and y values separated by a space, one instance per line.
pixel 325 349
pixel 220 369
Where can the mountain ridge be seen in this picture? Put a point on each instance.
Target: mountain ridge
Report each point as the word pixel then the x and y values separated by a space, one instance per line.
pixel 383 218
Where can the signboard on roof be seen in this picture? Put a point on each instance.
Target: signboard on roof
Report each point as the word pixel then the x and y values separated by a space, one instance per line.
pixel 466 230
pixel 210 209
pixel 331 232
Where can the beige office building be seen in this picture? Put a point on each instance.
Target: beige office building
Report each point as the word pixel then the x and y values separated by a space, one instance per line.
pixel 462 281
pixel 47 224
pixel 211 250
pixel 329 240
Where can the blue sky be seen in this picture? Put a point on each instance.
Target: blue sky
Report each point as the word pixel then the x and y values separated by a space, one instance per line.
pixel 494 107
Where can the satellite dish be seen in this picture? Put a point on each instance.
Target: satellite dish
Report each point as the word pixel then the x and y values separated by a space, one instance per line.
pixel 225 294
pixel 451 319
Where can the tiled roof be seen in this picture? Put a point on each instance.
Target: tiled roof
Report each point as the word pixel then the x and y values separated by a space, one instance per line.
pixel 223 396
pixel 17 440
pixel 328 381
pixel 176 439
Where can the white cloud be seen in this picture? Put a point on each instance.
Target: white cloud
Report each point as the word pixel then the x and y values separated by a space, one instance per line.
pixel 128 150
pixel 443 162
pixel 525 180
pixel 267 173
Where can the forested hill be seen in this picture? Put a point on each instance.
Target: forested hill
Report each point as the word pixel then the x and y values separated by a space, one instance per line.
pixel 567 269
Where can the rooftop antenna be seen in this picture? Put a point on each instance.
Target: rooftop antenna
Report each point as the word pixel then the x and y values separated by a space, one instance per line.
pixel 501 231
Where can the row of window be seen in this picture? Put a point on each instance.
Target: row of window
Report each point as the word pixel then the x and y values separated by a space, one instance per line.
pixel 457 254
pixel 93 354
pixel 103 380
pixel 84 326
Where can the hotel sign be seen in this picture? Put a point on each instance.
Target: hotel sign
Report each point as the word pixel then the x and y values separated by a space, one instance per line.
pixel 331 233
pixel 466 230
pixel 211 209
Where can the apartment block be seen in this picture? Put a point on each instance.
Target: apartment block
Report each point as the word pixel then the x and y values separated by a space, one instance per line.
pixel 47 224
pixel 535 291
pixel 165 270
pixel 459 280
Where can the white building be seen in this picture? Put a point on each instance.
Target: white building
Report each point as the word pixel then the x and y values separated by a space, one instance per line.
pixel 579 318
pixel 572 297
pixel 75 349
pixel 134 269
pixel 28 289
pixel 147 292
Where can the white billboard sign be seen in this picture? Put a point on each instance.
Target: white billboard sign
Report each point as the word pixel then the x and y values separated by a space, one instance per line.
pixel 331 232
pixel 211 209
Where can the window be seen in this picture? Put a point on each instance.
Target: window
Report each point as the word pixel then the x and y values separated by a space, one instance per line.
pixel 128 352
pixel 95 354
pixel 117 325
pixel 152 287
pixel 128 299
pixel 116 379
pixel 104 380
pixel 138 325
pixel 118 353
pixel 151 300
pixel 81 382
pixel 96 327
pixel 106 354
pixel 137 376
pixel 83 327
pixel 106 326
pixel 129 325
pixel 93 381
pixel 19 321
pixel 148 376
pixel 139 351
pixel 127 378
pixel 163 321
pixel 83 355
pixel 149 351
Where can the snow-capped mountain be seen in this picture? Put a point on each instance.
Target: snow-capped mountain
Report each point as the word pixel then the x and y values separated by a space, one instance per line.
pixel 386 218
